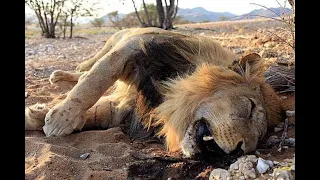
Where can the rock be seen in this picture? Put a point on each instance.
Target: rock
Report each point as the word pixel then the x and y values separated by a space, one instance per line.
pixel 246 168
pixel 219 174
pixel 25 94
pixel 234 166
pixel 293 167
pixel 282 174
pixel 262 166
pixel 238 51
pixel 252 158
pixel 84 156
pixel 277 129
pixel 290 113
pixel 61 57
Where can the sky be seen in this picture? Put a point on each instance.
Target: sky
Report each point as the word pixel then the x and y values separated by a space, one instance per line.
pixel 236 7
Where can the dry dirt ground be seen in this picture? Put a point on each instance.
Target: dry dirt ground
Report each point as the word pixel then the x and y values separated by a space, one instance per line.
pixel 110 154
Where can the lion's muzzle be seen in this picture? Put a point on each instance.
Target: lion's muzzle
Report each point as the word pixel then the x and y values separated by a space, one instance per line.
pixel 206 143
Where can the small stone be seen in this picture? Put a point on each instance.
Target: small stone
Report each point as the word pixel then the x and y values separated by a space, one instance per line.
pixel 252 158
pixel 61 57
pixel 270 163
pixel 277 129
pixel 25 94
pixel 281 174
pixel 290 113
pixel 234 166
pixel 293 167
pixel 106 168
pixel 246 168
pixel 238 51
pixel 262 166
pixel 84 156
pixel 219 174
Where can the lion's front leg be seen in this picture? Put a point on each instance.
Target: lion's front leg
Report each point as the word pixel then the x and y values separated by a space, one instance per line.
pixel 69 114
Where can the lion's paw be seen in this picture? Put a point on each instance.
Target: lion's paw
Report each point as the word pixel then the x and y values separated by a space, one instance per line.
pixel 84 66
pixel 34 116
pixel 62 121
pixel 57 75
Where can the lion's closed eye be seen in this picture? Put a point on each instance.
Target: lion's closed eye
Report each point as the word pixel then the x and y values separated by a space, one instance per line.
pixel 252 107
pixel 246 108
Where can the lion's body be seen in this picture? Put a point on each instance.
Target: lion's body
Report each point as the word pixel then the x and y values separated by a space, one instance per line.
pixel 161 79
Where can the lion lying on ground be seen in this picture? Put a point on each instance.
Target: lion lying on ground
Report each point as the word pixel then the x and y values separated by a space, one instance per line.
pixel 187 89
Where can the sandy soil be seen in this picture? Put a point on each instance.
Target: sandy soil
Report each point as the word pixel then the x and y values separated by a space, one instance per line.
pixel 110 154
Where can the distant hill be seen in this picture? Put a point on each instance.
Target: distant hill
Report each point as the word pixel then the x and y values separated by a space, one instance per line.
pixel 265 13
pixel 200 14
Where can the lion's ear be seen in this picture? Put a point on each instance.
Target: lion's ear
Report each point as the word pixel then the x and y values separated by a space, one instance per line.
pixel 252 64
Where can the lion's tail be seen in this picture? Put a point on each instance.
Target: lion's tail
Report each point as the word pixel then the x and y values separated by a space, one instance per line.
pixel 34 116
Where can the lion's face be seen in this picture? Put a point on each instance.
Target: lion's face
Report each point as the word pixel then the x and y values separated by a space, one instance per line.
pixel 230 121
pixel 219 110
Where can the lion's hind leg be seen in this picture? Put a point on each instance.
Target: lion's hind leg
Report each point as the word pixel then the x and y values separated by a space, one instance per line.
pixel 34 116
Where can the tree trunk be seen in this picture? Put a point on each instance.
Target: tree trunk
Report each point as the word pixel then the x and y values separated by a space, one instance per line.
pixel 169 15
pixel 143 24
pixel 160 11
pixel 71 25
pixel 147 13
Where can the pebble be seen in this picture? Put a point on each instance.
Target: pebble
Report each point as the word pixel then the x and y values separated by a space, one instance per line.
pixel 25 94
pixel 84 156
pixel 290 113
pixel 277 129
pixel 219 174
pixel 262 166
pixel 281 174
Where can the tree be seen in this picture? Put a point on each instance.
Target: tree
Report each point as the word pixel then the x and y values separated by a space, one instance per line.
pixel 77 8
pixel 47 13
pixel 97 22
pixel 151 16
pixel 143 24
pixel 166 14
pixel 115 20
pixel 63 23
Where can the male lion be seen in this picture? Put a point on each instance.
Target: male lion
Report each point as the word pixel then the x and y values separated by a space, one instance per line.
pixel 187 89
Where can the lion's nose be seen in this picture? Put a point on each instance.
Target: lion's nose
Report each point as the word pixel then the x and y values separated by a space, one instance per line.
pixel 206 145
pixel 238 151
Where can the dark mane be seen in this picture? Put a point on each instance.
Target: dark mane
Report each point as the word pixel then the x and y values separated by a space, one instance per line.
pixel 158 60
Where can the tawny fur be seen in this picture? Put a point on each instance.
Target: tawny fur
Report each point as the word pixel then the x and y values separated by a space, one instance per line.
pixel 215 70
